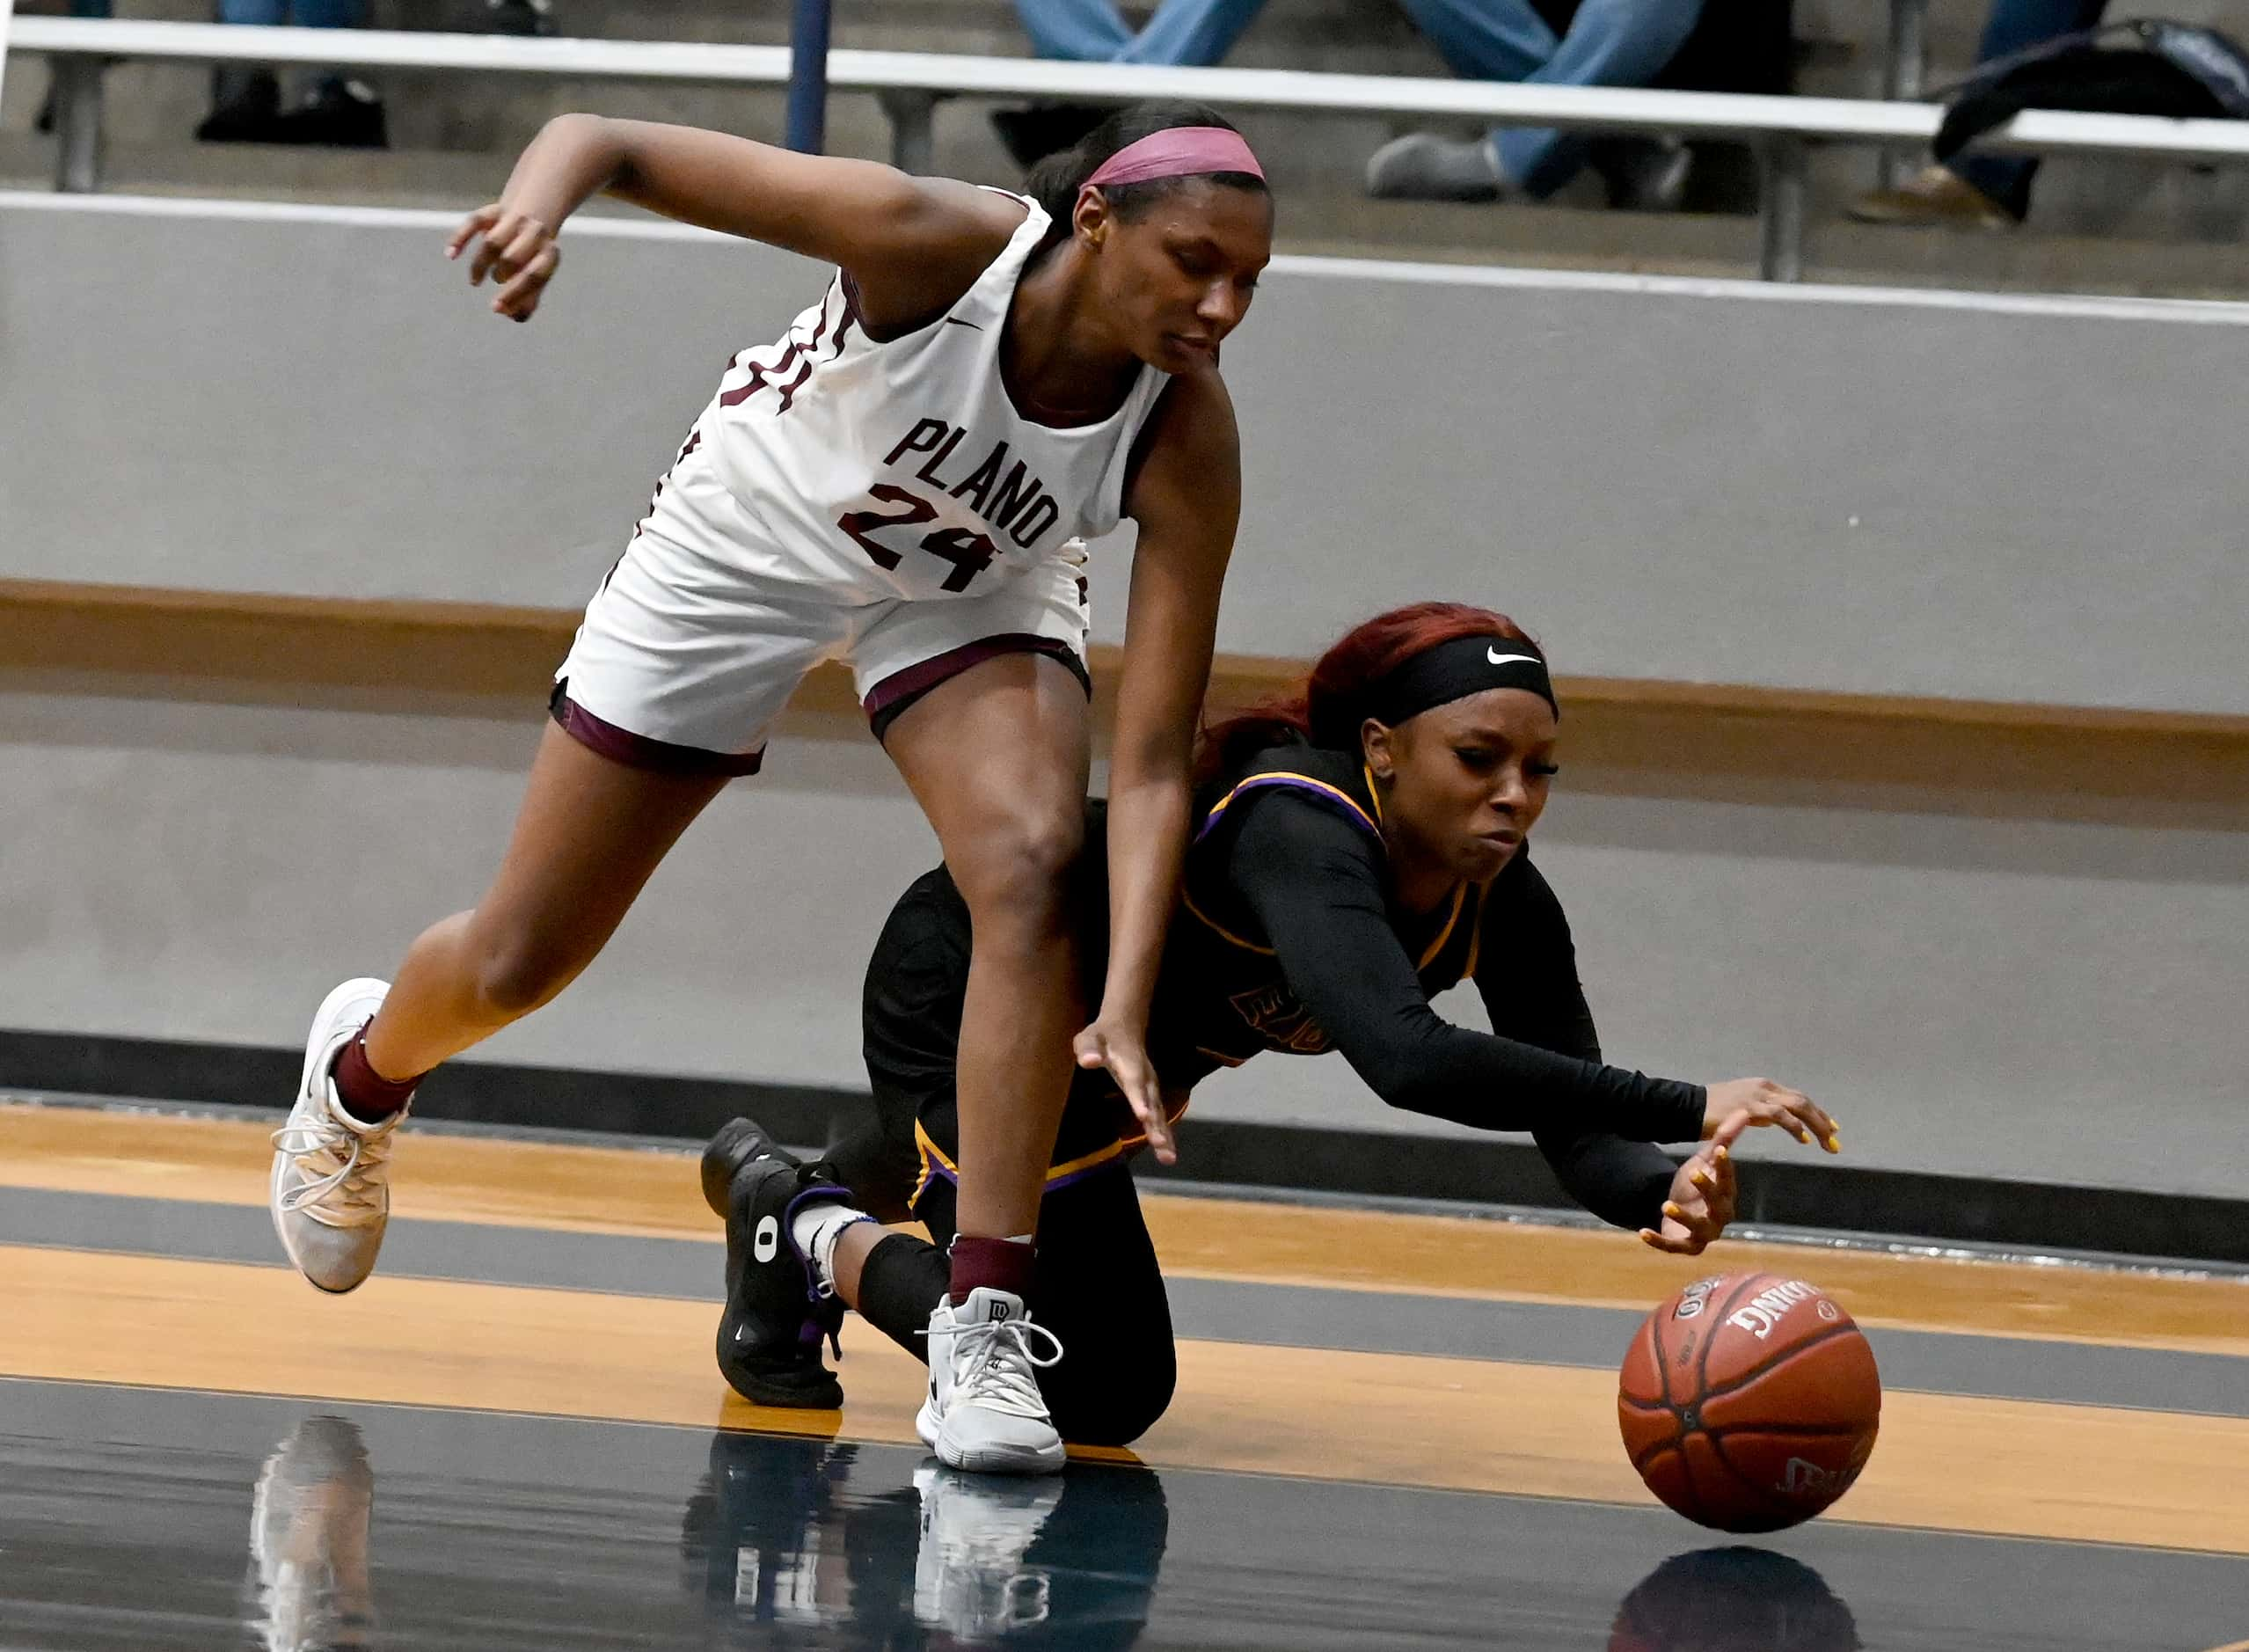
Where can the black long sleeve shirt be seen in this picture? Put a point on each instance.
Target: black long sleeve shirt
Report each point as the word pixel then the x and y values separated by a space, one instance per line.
pixel 1294 886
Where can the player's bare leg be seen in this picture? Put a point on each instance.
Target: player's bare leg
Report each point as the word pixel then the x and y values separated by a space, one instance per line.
pixel 589 835
pixel 998 758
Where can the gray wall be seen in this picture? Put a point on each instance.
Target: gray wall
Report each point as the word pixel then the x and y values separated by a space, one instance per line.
pixel 1971 982
pixel 1898 493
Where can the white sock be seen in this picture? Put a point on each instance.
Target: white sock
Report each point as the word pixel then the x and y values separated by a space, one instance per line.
pixel 816 1230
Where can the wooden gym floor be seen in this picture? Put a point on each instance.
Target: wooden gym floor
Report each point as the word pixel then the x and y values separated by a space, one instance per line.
pixel 1390 1430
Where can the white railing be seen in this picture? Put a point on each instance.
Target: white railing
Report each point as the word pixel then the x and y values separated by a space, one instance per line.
pixel 909 84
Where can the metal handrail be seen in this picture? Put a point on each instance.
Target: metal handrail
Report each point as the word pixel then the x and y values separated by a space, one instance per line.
pixel 909 84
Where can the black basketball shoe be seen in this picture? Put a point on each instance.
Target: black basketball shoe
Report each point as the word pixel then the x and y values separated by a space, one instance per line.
pixel 777 1315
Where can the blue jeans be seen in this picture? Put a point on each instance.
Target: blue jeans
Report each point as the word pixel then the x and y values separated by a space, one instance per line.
pixel 1609 43
pixel 1193 33
pixel 304 14
pixel 2016 25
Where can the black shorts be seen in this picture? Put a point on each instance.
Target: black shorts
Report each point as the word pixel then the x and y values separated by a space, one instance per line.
pixel 916 983
pixel 1098 1286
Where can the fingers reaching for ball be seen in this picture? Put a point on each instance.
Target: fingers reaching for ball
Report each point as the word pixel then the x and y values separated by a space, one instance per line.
pixel 1700 1206
pixel 1741 1104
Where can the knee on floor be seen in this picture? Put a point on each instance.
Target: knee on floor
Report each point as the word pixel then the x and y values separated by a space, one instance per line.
pixel 1127 1400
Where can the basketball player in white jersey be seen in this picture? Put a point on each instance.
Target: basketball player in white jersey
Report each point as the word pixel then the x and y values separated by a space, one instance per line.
pixel 904 481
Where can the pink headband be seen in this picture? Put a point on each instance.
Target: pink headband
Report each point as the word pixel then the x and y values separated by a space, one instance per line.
pixel 1179 151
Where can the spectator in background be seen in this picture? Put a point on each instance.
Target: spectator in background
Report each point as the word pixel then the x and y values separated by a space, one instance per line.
pixel 1198 32
pixel 1561 43
pixel 1192 33
pixel 45 119
pixel 1990 192
pixel 1604 43
pixel 246 103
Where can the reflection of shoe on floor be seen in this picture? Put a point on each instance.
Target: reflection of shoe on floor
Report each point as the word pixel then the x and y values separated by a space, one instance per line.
pixel 984 1410
pixel 775 1315
pixel 1932 196
pixel 969 1578
pixel 761 1539
pixel 249 113
pixel 1422 166
pixel 330 1196
pixel 1032 134
pixel 307 1536
pixel 340 114
pixel 519 16
pixel 1643 174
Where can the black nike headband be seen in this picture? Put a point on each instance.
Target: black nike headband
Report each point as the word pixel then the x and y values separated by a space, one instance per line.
pixel 1456 669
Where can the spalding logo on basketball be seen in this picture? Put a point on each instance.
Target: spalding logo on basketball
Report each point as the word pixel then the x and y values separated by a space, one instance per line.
pixel 1749 1402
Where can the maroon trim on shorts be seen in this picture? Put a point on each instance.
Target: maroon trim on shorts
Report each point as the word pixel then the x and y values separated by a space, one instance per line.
pixel 639 751
pixel 891 694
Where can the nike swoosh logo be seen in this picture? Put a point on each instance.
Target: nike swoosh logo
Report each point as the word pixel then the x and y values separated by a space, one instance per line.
pixel 955 321
pixel 1497 658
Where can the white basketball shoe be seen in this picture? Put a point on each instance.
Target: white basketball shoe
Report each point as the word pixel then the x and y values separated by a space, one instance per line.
pixel 330 1192
pixel 969 1575
pixel 984 1410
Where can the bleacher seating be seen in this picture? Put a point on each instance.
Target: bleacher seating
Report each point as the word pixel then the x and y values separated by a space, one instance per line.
pixel 2103 225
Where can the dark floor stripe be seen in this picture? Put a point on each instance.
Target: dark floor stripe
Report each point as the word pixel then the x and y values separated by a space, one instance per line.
pixel 1295 1316
pixel 1488 1171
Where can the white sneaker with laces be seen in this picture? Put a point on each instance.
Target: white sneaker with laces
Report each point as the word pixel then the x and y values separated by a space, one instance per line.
pixel 984 1410
pixel 330 1191
pixel 969 1578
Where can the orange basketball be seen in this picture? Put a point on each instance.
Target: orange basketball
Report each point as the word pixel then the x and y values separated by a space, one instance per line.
pixel 1749 1402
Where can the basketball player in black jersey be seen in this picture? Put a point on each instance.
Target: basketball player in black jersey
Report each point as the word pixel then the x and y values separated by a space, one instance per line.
pixel 1358 849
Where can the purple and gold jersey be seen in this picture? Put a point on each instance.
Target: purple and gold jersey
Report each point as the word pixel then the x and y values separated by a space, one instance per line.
pixel 1221 996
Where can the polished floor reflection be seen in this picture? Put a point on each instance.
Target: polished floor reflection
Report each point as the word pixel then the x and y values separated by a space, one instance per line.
pixel 512 1438
pixel 165 1519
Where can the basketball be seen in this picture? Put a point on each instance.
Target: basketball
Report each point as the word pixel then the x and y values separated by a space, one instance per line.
pixel 1748 1402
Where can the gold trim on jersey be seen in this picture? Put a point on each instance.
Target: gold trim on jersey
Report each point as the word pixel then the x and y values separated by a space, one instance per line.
pixel 1284 776
pixel 935 1161
pixel 1429 954
pixel 1220 930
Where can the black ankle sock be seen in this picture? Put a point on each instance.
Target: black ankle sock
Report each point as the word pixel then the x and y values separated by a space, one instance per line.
pixel 901 1283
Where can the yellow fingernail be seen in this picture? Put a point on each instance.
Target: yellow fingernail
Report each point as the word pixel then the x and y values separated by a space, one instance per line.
pixel 1672 1209
pixel 1835 1141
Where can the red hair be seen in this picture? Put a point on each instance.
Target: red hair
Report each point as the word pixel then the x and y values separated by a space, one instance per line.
pixel 1328 708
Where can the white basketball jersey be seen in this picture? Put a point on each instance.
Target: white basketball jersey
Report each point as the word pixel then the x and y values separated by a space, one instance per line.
pixel 903 469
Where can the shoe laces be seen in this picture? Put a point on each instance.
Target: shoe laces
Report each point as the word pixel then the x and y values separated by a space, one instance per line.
pixel 355 1186
pixel 994 1366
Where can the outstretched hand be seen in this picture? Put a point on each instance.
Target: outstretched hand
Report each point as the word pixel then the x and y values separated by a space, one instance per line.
pixel 1700 1205
pixel 1703 1193
pixel 1125 1054
pixel 1765 1102
pixel 517 250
